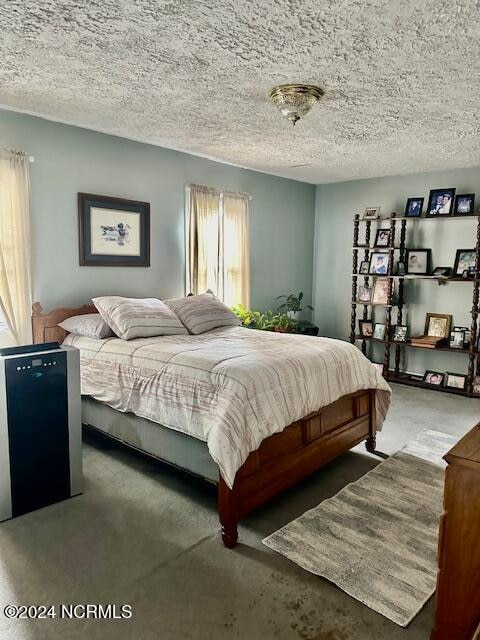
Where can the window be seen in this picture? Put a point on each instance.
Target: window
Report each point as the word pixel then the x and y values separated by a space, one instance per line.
pixel 218 244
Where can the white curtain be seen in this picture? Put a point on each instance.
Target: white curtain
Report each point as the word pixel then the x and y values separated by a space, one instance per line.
pixel 218 244
pixel 15 267
pixel 236 254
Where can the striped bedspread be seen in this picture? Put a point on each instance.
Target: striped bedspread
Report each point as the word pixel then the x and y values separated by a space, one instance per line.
pixel 231 387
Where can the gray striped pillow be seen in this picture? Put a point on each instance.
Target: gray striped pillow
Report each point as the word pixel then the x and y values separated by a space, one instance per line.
pixel 203 313
pixel 138 317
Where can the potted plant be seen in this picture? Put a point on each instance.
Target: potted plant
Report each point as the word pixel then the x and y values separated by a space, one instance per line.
pixel 293 304
pixel 268 321
pixel 282 323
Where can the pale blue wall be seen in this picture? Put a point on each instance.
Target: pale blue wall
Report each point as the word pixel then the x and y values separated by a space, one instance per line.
pixel 336 205
pixel 70 159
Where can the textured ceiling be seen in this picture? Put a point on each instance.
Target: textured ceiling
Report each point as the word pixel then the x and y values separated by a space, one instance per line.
pixel 401 78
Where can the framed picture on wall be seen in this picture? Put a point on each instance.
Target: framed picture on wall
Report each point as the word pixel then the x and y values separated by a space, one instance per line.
pixel 113 232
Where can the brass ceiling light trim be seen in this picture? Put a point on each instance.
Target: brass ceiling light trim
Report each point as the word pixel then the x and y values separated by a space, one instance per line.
pixel 295 101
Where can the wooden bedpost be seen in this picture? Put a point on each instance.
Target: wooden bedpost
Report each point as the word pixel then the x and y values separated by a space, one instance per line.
pixel 227 510
pixel 371 441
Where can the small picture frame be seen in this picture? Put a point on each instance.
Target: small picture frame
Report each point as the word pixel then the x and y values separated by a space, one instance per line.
pixel 465 260
pixel 457 339
pixel 401 268
pixel 464 204
pixel 400 332
pixel 379 263
pixel 366 328
pixel 382 239
pixel 371 213
pixel 440 202
pixel 435 378
pixel 379 331
pixel 467 335
pixel 365 294
pixel 476 385
pixel 380 291
pixel 364 267
pixel 438 325
pixel 456 381
pixel 419 261
pixel 414 207
pixel 442 272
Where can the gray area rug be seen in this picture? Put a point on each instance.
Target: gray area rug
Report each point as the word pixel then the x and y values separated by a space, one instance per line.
pixel 377 538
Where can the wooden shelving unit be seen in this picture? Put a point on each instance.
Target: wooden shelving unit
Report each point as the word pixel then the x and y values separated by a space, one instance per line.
pixel 397 247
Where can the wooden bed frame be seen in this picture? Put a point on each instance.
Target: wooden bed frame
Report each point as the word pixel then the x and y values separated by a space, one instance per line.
pixel 282 459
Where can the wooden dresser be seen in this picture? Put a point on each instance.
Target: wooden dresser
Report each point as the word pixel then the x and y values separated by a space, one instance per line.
pixel 457 615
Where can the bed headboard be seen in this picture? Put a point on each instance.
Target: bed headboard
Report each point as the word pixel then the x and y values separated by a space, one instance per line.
pixel 45 325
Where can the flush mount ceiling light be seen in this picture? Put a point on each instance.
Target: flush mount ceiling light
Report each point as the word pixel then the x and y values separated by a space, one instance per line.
pixel 295 101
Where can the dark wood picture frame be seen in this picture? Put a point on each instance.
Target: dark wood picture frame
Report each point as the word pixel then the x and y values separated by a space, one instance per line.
pixel 373 255
pixel 434 193
pixel 429 372
pixel 379 233
pixel 444 316
pixel 407 208
pixel 361 324
pixel 395 334
pixel 428 262
pixel 457 375
pixel 457 261
pixel 86 201
pixel 472 205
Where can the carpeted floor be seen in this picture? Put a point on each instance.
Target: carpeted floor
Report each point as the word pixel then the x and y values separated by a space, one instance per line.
pixel 147 536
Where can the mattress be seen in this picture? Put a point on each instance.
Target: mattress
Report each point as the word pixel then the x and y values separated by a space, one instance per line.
pixel 231 387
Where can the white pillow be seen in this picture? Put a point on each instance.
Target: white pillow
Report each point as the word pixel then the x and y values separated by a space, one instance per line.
pixel 91 325
pixel 138 317
pixel 203 313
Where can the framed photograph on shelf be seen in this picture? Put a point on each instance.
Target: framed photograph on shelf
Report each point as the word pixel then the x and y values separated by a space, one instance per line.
pixel 364 267
pixel 366 328
pixel 364 294
pixel 476 385
pixel 464 205
pixel 456 381
pixel 438 325
pixel 379 263
pixel 419 261
pixel 442 272
pixel 467 335
pixel 379 331
pixel 434 377
pixel 414 207
pixel 400 332
pixel 457 339
pixel 380 291
pixel 113 232
pixel 440 202
pixel 371 213
pixel 382 239
pixel 465 261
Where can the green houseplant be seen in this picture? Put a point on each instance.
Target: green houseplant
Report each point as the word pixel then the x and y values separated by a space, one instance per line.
pixel 267 321
pixel 293 304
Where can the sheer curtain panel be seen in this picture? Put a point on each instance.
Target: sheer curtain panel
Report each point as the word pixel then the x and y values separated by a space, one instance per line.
pixel 218 244
pixel 15 252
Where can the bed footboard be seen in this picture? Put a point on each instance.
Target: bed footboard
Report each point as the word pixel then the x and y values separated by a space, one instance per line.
pixel 300 449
